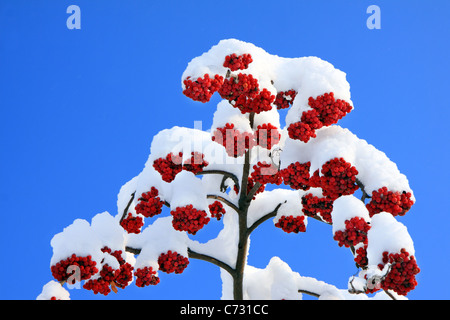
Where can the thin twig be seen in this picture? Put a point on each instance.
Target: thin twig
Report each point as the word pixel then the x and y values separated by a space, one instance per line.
pixel 125 211
pixel 309 293
pixel 264 218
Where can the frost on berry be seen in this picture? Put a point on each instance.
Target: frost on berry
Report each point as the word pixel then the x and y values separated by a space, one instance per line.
pixel 284 99
pixel 291 224
pixel 235 62
pixel 189 219
pixel 355 232
pixel 314 206
pixel 172 262
pixel 146 276
pixel 396 203
pixel 325 111
pixel 150 204
pixel 267 135
pixel 296 175
pixel 86 266
pixel 203 88
pixel 338 178
pixel 217 210
pixel 236 143
pixel 132 224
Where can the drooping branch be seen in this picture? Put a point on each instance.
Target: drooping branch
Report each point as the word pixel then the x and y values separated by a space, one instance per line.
pixel 194 255
pixel 204 257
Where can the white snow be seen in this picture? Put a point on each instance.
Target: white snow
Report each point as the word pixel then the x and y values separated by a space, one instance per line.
pixel 346 208
pixel 53 289
pixel 387 234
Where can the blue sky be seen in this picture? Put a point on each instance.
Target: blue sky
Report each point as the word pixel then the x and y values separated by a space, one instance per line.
pixel 79 109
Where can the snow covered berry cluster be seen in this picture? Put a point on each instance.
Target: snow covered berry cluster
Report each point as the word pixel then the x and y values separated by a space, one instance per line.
pixel 247 168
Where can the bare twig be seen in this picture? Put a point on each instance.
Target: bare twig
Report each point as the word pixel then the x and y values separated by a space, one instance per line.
pixel 226 174
pixel 125 211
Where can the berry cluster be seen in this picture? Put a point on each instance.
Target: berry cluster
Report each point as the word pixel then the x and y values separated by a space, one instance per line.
pixel 86 266
pixel 235 62
pixel 189 219
pixel 267 135
pixel 402 275
pixel 235 142
pixel 355 232
pixel 285 99
pixel 325 111
pixel 98 286
pixel 102 284
pixel 314 206
pixel 242 86
pixel 203 88
pixel 172 262
pixel 125 273
pixel 291 224
pixel 262 101
pixel 169 167
pixel 395 203
pixel 173 164
pixel 149 203
pixel 265 173
pixel 146 276
pixel 361 256
pixel 296 175
pixel 338 178
pixel 132 224
pixel 217 210
pixel 195 163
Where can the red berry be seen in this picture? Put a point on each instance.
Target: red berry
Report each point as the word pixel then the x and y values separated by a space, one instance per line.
pixel 217 210
pixel 189 219
pixel 291 224
pixel 314 206
pixel 267 135
pixel 265 173
pixel 395 203
pixel 296 175
pixel 355 232
pixel 236 143
pixel 172 262
pixel 203 88
pixel 132 224
pixel 338 178
pixel 235 62
pixel 169 167
pixel 146 276
pixel 87 268
pixel 149 203
pixel 285 99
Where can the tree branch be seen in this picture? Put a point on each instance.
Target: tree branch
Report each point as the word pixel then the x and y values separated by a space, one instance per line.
pixel 364 193
pixel 125 211
pixel 264 218
pixel 204 257
pixel 309 293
